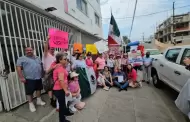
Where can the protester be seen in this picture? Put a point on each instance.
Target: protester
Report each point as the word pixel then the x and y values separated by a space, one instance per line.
pixel 60 88
pixel 132 77
pixel 108 77
pixel 118 61
pixel 30 71
pixel 110 63
pixel 48 59
pixel 124 62
pixel 100 61
pixel 89 61
pixel 74 88
pixel 102 81
pixel 122 85
pixel 79 62
pixel 147 65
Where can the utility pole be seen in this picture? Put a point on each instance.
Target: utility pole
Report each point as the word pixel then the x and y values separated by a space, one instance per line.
pixel 143 37
pixel 173 23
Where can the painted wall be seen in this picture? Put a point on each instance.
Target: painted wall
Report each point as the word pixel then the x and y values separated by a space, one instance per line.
pixel 73 14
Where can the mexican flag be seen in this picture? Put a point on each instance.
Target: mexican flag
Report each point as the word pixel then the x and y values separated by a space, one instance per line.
pixel 114 33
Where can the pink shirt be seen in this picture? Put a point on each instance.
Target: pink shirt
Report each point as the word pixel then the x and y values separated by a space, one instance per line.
pixel 132 75
pixel 101 62
pixel 57 70
pixel 74 86
pixel 124 61
pixel 89 62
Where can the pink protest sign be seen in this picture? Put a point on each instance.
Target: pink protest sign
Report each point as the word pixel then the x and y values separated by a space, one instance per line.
pixel 58 38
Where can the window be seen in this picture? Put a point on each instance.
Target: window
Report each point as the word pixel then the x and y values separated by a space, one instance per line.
pixel 97 19
pixel 172 54
pixel 82 5
pixel 186 53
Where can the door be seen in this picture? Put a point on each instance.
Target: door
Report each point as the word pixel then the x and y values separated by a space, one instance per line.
pixel 180 74
pixel 168 65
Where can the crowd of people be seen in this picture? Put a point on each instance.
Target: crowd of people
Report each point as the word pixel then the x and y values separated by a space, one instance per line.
pixel 61 79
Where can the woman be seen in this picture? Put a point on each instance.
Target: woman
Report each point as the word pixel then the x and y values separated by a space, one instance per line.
pixel 118 61
pixel 108 77
pixel 79 62
pixel 89 61
pixel 110 63
pixel 132 77
pixel 60 88
pixel 100 61
pixel 124 62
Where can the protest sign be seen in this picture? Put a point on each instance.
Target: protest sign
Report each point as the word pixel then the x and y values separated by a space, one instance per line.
pixel 114 49
pixel 101 46
pixel 77 46
pixel 58 38
pixel 91 48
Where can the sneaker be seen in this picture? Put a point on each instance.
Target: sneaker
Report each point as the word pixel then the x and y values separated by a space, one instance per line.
pixel 106 88
pixel 69 114
pixel 40 102
pixel 67 120
pixel 32 107
pixel 148 82
pixel 73 109
pixel 120 89
pixel 140 84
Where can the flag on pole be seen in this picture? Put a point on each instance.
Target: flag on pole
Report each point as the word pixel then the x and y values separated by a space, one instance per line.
pixel 114 33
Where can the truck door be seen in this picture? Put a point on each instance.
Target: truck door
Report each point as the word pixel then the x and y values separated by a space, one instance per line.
pixel 180 74
pixel 168 65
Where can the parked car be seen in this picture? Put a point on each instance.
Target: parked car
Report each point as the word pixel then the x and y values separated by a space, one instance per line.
pixel 170 69
pixel 153 52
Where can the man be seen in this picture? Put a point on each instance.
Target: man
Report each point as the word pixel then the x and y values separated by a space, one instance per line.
pixel 118 73
pixel 147 64
pixel 48 59
pixel 30 70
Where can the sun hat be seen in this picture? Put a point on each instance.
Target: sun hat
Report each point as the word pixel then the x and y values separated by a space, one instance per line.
pixel 73 74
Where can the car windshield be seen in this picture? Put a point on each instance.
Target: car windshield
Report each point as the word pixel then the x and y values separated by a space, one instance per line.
pixel 154 52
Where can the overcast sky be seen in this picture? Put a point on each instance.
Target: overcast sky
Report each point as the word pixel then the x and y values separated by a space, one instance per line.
pixel 123 10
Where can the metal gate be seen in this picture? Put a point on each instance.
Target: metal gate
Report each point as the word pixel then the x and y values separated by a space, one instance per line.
pixel 19 28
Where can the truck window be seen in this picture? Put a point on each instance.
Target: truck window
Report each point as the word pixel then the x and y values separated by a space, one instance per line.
pixel 172 54
pixel 186 53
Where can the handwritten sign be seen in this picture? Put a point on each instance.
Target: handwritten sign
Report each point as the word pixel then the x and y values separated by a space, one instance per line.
pixel 58 38
pixel 114 49
pixel 91 48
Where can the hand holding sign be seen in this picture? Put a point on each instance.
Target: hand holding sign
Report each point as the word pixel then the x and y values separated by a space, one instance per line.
pixel 59 39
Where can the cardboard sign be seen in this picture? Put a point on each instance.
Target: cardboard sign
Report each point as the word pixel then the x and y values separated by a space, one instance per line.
pixel 101 46
pixel 58 38
pixel 91 48
pixel 135 58
pixel 77 46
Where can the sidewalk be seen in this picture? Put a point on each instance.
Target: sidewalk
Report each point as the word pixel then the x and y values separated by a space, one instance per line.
pixel 146 104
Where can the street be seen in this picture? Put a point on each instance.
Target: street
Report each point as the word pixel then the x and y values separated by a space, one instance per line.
pixel 146 104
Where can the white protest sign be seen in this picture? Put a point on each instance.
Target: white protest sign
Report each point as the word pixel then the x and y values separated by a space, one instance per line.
pixel 101 46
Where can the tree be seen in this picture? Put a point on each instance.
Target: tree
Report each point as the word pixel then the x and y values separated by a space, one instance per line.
pixel 126 40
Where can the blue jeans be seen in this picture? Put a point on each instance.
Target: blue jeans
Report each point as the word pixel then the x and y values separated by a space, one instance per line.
pixel 121 85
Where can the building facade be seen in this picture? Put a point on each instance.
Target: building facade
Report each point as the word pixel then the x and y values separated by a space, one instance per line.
pixel 179 32
pixel 26 23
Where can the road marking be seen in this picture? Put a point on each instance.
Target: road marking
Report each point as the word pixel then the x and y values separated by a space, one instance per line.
pixel 45 118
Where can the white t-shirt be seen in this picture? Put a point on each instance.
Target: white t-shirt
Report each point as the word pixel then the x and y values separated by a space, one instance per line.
pixel 47 61
pixel 110 62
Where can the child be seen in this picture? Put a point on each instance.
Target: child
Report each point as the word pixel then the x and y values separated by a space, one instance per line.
pixel 73 85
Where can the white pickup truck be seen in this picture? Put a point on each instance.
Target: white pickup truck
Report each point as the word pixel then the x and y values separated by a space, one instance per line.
pixel 170 69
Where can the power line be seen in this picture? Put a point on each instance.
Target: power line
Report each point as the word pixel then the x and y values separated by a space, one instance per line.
pixel 133 18
pixel 152 13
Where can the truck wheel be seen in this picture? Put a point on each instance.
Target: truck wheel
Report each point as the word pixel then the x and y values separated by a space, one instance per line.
pixel 156 81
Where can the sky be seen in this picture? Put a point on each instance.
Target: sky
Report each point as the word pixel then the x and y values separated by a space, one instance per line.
pixel 123 10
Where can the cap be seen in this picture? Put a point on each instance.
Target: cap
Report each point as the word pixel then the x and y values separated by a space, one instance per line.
pixel 73 74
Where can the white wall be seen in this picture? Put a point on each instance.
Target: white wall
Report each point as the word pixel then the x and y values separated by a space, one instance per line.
pixel 74 15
